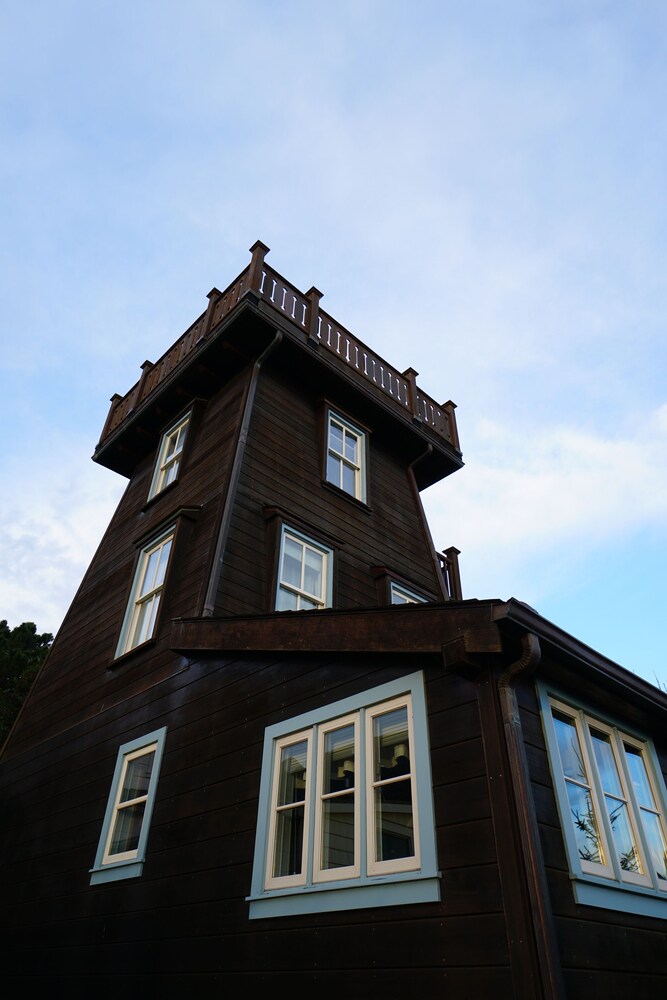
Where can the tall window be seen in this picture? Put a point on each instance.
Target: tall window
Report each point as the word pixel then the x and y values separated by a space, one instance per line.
pixel 346 456
pixel 305 573
pixel 125 829
pixel 344 798
pixel 611 799
pixel 169 456
pixel 142 609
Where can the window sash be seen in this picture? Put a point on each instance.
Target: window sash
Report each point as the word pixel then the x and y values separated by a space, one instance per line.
pixel 120 827
pixel 304 573
pixel 146 594
pixel 633 840
pixel 168 462
pixel 346 456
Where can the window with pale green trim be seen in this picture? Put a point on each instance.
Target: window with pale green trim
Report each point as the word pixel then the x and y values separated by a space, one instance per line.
pixel 146 594
pixel 170 453
pixel 346 456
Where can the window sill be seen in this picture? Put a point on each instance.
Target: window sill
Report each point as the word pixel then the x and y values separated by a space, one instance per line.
pixel 338 896
pixel 116 872
pixel 623 899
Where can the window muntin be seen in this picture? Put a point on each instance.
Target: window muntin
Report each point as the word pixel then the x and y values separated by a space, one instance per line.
pixel 169 456
pixel 304 573
pixel 403 595
pixel 610 801
pixel 122 845
pixel 346 456
pixel 331 752
pixel 144 602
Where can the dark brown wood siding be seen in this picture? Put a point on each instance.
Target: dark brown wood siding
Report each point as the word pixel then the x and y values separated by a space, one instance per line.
pixel 183 926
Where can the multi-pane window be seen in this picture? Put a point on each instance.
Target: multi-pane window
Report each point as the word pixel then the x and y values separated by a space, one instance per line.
pixel 142 609
pixel 169 456
pixel 346 808
pixel 611 800
pixel 351 773
pixel 402 595
pixel 346 456
pixel 122 843
pixel 304 573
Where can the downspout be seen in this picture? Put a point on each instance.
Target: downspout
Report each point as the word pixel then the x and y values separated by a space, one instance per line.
pixel 545 937
pixel 425 528
pixel 223 531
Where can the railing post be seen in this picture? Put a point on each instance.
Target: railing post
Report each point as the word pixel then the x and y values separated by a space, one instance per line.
pixel 313 295
pixel 413 401
pixel 115 400
pixel 213 297
pixel 448 408
pixel 146 369
pixel 453 575
pixel 259 251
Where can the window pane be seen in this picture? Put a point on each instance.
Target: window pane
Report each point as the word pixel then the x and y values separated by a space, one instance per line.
pixel 292 558
pixel 585 825
pixel 571 757
pixel 313 571
pixel 626 849
pixel 289 843
pixel 150 572
pixel 349 480
pixel 333 470
pixel 639 777
pixel 292 780
pixel 286 601
pixel 336 437
pixel 656 844
pixel 604 756
pixel 127 828
pixel 145 620
pixel 351 443
pixel 137 777
pixel 394 837
pixel 338 832
pixel 338 760
pixel 391 744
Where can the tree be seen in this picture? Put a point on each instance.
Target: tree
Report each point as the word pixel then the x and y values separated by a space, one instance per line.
pixel 22 652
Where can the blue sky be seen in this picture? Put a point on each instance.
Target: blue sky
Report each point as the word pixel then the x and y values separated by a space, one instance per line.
pixel 478 189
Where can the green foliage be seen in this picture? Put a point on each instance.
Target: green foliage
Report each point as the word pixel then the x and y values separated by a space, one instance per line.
pixel 22 652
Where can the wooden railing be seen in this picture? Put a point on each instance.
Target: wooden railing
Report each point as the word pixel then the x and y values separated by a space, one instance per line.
pixel 304 311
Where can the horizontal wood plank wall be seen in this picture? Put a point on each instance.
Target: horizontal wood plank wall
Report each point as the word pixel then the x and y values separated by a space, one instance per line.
pixel 183 926
pixel 603 952
pixel 283 467
pixel 80 673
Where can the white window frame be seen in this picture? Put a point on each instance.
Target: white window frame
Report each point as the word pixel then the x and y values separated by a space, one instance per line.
pixel 358 467
pixel 404 594
pixel 324 598
pixel 128 864
pixel 167 464
pixel 135 629
pixel 368 880
pixel 608 882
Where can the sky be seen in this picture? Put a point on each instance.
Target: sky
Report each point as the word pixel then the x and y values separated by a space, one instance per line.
pixel 477 188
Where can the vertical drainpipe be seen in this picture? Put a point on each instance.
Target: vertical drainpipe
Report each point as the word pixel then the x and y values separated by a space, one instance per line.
pixel 223 531
pixel 545 938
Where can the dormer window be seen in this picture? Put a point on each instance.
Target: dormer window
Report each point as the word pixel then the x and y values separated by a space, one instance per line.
pixel 402 595
pixel 169 456
pixel 346 456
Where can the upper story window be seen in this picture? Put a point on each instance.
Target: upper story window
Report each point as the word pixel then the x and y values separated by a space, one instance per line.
pixel 305 573
pixel 169 456
pixel 611 800
pixel 346 806
pixel 346 456
pixel 402 595
pixel 141 613
pixel 122 845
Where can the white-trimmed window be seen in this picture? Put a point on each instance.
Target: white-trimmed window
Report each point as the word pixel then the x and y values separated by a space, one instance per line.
pixel 122 845
pixel 305 573
pixel 169 456
pixel 144 602
pixel 346 456
pixel 403 595
pixel 346 804
pixel 611 800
